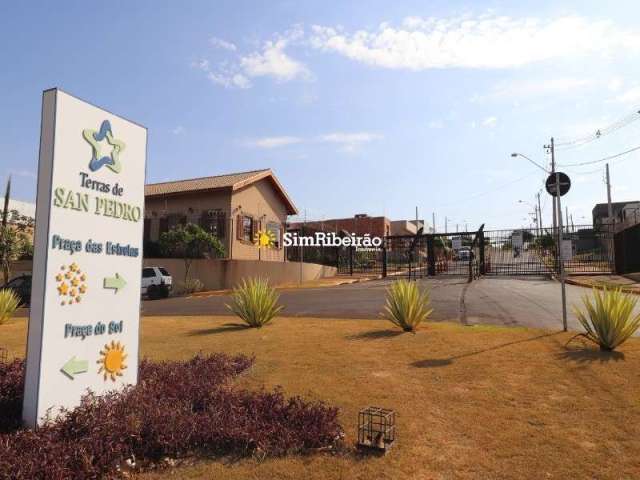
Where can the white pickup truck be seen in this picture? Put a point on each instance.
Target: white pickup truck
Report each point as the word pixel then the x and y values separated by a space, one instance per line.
pixel 156 282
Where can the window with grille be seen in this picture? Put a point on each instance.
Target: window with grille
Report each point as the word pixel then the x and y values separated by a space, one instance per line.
pixel 213 221
pixel 247 228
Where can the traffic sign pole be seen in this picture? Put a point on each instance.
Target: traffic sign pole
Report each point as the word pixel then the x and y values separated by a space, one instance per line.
pixel 560 237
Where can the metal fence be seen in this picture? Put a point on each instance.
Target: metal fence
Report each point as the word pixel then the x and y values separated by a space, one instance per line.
pixel 536 251
pixel 510 252
pixel 414 256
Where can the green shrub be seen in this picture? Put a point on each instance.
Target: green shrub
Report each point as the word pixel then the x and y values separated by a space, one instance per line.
pixel 609 319
pixel 255 302
pixel 9 302
pixel 189 286
pixel 406 306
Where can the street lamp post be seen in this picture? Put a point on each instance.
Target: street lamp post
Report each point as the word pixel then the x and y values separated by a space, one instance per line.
pixel 536 215
pixel 560 233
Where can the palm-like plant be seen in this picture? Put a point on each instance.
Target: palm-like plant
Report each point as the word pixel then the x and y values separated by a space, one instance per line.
pixel 9 302
pixel 609 319
pixel 406 306
pixel 255 302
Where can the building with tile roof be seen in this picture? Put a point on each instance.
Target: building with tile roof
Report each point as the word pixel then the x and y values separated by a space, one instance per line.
pixel 234 207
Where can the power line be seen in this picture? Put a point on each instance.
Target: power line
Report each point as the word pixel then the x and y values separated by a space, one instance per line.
pixel 611 157
pixel 599 133
pixel 499 187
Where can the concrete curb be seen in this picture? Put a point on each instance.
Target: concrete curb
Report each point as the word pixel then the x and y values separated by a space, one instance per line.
pixel 346 281
pixel 578 283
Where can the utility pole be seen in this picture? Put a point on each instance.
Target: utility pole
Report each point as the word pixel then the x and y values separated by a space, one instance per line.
pixel 445 224
pixel 304 223
pixel 566 215
pixel 456 228
pixel 539 216
pixel 612 219
pixel 609 205
pixel 433 216
pixel 551 148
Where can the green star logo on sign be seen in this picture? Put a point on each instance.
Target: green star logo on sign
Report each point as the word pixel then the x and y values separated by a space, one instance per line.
pixel 111 161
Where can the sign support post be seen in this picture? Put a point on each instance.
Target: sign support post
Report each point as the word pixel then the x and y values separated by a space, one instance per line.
pixel 560 250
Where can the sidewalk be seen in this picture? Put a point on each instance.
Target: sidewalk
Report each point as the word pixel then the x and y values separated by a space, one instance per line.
pixel 627 284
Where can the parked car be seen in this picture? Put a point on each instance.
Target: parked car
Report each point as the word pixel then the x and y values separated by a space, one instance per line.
pixel 464 254
pixel 156 282
pixel 21 286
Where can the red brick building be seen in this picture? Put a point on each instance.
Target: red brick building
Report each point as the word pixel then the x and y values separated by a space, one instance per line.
pixel 360 224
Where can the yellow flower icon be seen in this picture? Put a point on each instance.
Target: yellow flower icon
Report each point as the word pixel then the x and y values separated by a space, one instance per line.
pixel 71 283
pixel 62 288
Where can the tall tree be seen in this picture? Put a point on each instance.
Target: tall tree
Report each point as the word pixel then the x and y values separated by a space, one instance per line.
pixel 8 239
pixel 15 236
pixel 5 210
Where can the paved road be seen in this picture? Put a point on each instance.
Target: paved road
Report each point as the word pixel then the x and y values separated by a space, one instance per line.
pixel 523 301
pixel 532 302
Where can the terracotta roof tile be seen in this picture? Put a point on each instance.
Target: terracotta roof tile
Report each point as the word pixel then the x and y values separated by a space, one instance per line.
pixel 202 183
pixel 233 181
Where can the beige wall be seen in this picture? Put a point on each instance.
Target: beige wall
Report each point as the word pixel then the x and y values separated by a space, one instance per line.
pixel 260 201
pixel 223 274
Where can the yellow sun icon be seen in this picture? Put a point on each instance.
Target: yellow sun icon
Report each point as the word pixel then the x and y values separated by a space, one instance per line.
pixel 265 238
pixel 112 361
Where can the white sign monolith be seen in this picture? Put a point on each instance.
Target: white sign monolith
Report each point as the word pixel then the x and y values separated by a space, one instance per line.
pixel 85 300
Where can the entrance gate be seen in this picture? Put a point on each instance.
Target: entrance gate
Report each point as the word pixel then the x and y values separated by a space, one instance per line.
pixel 510 252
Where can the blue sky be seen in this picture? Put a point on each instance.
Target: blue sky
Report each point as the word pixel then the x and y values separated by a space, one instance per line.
pixel 367 107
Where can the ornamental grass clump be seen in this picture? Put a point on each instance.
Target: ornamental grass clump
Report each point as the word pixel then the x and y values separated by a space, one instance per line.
pixel 9 302
pixel 609 319
pixel 406 306
pixel 255 302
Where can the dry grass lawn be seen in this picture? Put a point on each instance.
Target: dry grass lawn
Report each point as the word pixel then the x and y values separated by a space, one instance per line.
pixel 472 402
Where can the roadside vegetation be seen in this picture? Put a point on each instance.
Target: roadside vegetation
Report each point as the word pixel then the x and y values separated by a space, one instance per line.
pixel 406 306
pixel 179 409
pixel 9 302
pixel 189 286
pixel 608 318
pixel 189 242
pixel 255 302
pixel 15 241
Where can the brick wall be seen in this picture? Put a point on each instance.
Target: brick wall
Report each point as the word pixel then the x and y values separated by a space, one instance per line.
pixel 374 226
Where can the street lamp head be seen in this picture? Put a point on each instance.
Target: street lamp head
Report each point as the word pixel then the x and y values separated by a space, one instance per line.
pixel 514 154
